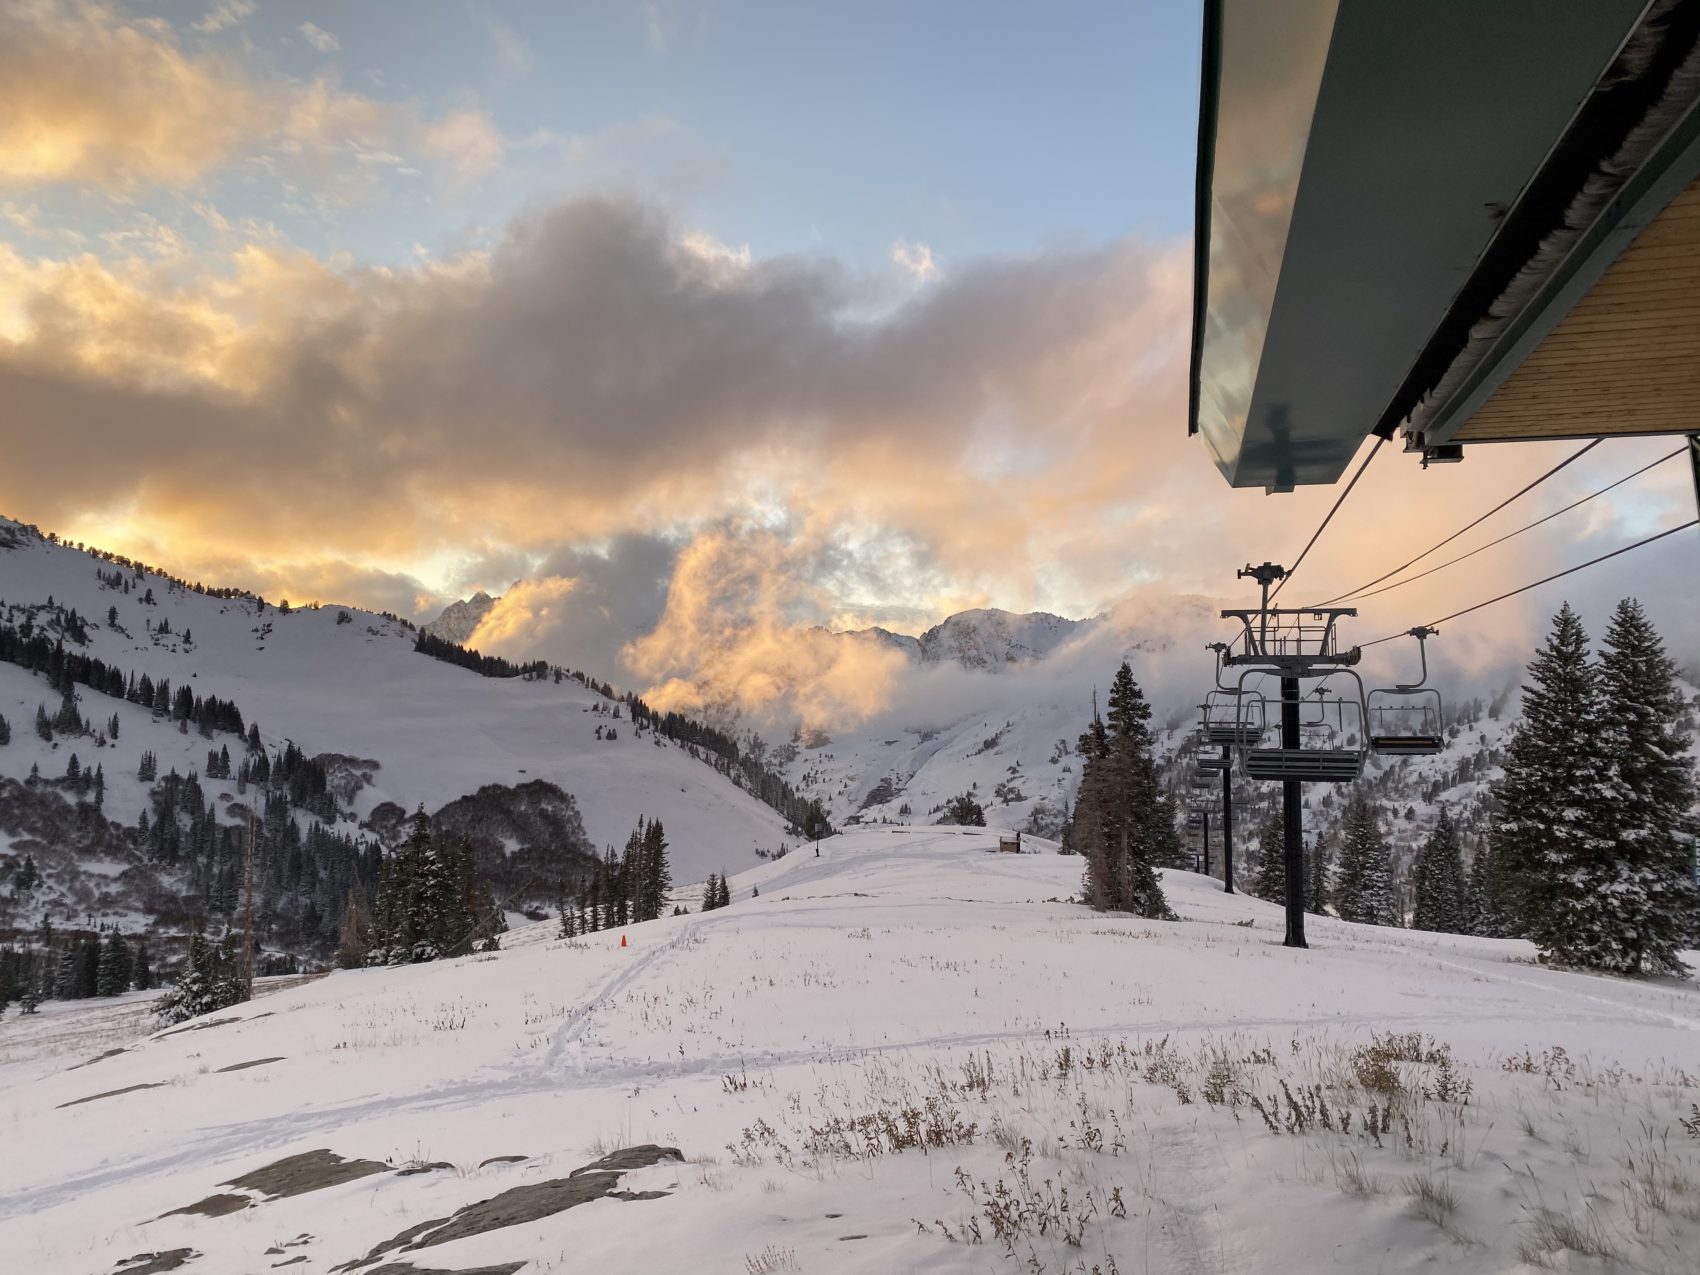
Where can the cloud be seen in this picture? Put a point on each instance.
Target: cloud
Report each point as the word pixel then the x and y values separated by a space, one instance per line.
pixel 916 260
pixel 735 638
pixel 1011 435
pixel 467 143
pixel 513 56
pixel 88 98
pixel 227 13
pixel 319 38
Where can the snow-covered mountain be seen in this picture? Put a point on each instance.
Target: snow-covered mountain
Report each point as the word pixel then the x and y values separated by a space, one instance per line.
pixel 459 620
pixel 389 729
pixel 985 639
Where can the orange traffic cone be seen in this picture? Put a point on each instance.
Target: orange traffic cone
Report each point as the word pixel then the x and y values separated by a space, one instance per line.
pixel 622 940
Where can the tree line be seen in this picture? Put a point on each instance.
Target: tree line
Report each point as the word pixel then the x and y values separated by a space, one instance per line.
pixel 1590 849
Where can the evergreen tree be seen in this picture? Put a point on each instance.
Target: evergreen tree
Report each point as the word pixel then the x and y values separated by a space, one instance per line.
pixel 5 731
pixel 191 994
pixel 1443 900
pixel 816 825
pixel 964 811
pixel 1651 904
pixel 1363 886
pixel 1551 840
pixel 657 876
pixel 1124 823
pixel 142 975
pixel 1316 877
pixel 113 978
pixel 711 893
pixel 1487 914
pixel 1271 879
pixel 88 967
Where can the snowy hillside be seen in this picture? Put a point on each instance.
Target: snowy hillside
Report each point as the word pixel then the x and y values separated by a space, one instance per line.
pixel 898 1057
pixel 402 728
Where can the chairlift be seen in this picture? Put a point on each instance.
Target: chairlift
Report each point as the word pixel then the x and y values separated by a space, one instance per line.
pixel 1328 752
pixel 1230 715
pixel 1405 720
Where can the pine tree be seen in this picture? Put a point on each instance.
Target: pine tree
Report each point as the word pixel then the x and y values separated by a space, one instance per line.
pixel 1125 823
pixel 113 978
pixel 1653 902
pixel 1363 887
pixel 657 875
pixel 711 893
pixel 88 967
pixel 142 976
pixel 1443 900
pixel 1271 880
pixel 5 731
pixel 191 994
pixel 1551 840
pixel 1316 877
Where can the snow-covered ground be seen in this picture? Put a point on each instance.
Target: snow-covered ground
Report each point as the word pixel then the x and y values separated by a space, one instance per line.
pixel 1209 1100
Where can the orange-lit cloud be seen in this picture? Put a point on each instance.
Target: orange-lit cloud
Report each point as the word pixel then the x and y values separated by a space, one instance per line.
pixel 91 98
pixel 615 395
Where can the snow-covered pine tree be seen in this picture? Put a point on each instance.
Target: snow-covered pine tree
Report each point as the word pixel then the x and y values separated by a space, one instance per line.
pixel 725 892
pixel 114 974
pixel 711 893
pixel 1442 895
pixel 1551 839
pixel 1125 823
pixel 1363 886
pixel 191 994
pixel 1271 879
pixel 1652 903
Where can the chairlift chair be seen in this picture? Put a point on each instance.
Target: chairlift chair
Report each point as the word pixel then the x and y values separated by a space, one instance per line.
pixel 1406 720
pixel 1233 717
pixel 1324 755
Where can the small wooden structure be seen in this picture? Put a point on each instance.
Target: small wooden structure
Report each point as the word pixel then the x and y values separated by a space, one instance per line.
pixel 1009 845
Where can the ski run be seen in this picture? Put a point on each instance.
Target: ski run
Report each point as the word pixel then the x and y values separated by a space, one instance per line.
pixel 910 1053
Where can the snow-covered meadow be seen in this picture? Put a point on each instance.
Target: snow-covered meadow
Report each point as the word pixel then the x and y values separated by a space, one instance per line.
pixel 898 1057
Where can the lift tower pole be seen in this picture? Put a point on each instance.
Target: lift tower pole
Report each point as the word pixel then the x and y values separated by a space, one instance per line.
pixel 1227 821
pixel 1205 857
pixel 1292 819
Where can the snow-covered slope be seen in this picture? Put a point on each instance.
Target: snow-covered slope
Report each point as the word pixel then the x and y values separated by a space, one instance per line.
pixel 344 681
pixel 896 1058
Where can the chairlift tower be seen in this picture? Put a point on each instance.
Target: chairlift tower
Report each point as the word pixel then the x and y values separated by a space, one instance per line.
pixel 1295 645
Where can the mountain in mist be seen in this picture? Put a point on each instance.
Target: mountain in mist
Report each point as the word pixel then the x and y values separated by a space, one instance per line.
pixel 460 620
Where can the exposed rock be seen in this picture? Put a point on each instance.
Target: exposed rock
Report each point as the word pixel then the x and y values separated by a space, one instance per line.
pixel 309 1171
pixel 157 1263
pixel 252 1062
pixel 113 1093
pixel 220 1205
pixel 502 1159
pixel 523 1204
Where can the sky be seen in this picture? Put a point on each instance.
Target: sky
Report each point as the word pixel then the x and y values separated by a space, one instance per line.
pixel 707 323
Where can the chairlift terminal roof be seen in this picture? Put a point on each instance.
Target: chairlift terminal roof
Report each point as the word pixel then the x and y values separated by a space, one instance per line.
pixel 1467 221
